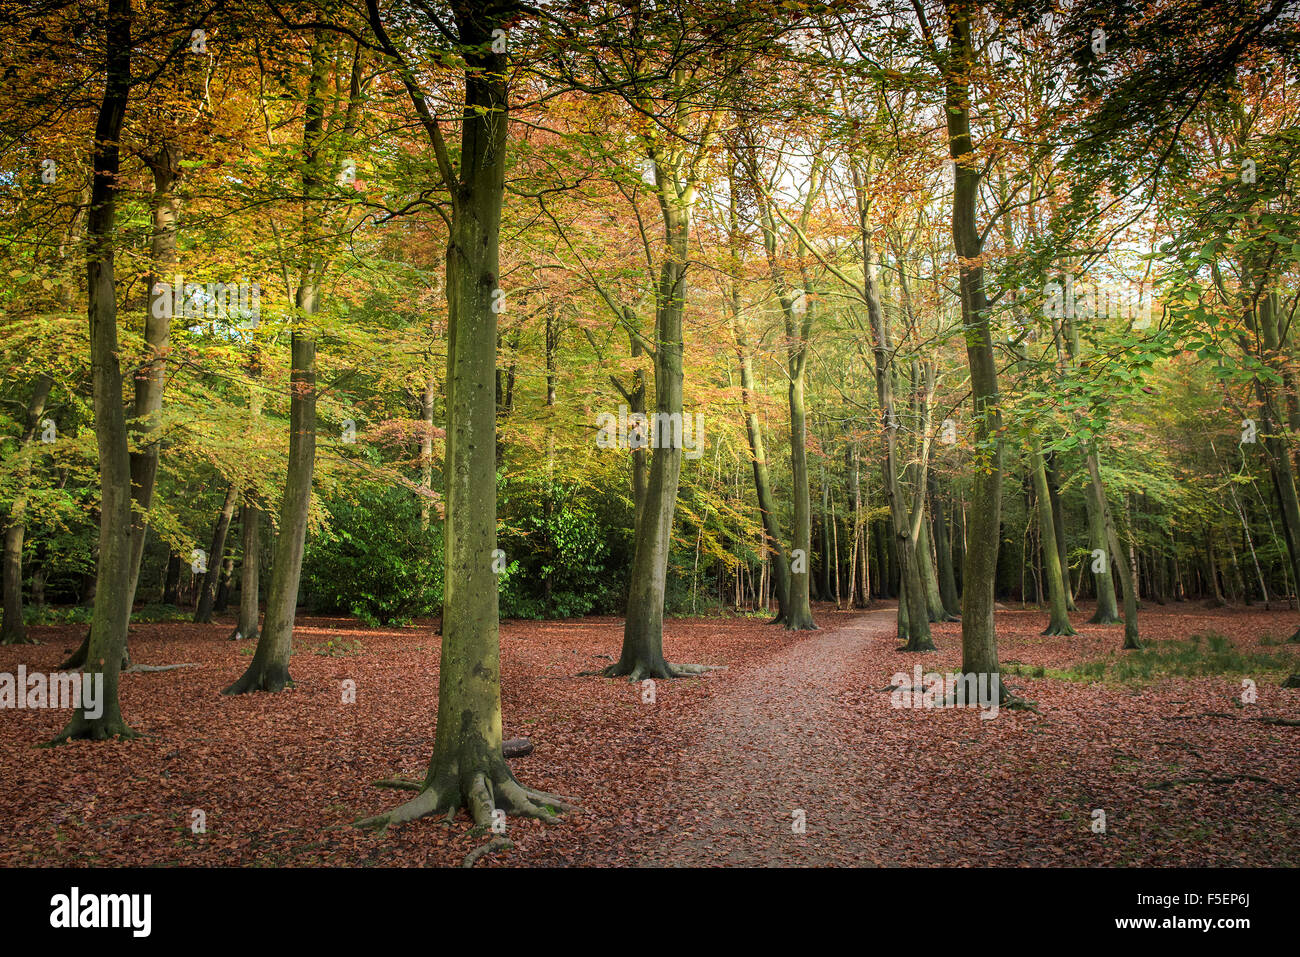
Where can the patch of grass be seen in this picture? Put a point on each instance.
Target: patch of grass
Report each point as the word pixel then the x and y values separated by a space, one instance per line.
pixel 339 647
pixel 158 614
pixel 1205 655
pixel 1023 670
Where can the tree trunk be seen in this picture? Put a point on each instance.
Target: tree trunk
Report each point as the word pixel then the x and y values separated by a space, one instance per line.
pixel 1117 557
pixel 1107 612
pixel 943 553
pixel 112 609
pixel 426 447
pixel 1274 433
pixel 763 487
pixel 150 378
pixel 249 571
pixel 172 581
pixel 1057 592
pixel 223 583
pixel 467 768
pixel 758 457
pixel 269 669
pixel 216 557
pixel 642 654
pixel 915 617
pixel 1058 524
pixel 640 456
pixel 979 573
pixel 1212 569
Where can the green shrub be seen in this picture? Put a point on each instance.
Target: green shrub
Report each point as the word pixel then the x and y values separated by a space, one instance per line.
pixel 374 561
pixel 57 614
pixel 161 613
pixel 556 554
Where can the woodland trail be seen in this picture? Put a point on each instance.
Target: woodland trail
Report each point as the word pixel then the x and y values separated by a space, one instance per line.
pixel 782 744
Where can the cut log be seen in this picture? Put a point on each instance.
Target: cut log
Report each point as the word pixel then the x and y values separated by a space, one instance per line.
pixel 516 748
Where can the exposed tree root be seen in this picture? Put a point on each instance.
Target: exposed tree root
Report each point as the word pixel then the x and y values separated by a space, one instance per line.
pixel 912 645
pixel 480 795
pixel 1016 703
pixel 1106 620
pixel 21 639
pixel 237 635
pixel 642 670
pixel 137 669
pixel 801 624
pixel 78 658
pixel 496 844
pixel 402 784
pixel 270 678
pixel 81 728
pixel 1063 631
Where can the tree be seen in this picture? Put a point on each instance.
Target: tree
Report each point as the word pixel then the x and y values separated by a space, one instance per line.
pixel 328 103
pixel 467 768
pixel 113 573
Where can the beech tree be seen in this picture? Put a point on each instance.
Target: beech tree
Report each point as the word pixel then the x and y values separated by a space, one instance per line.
pixel 467 768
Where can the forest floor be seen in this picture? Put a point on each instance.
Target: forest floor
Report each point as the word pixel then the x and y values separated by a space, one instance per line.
pixel 712 772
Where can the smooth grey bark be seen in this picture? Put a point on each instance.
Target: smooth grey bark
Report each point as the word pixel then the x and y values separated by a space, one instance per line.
pixel 1263 320
pixel 676 179
pixel 427 399
pixel 798 329
pixel 1097 508
pixel 151 376
pixel 929 576
pixel 636 402
pixel 642 653
pixel 1107 612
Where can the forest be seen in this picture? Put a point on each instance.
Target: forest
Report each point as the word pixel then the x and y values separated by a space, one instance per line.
pixel 663 432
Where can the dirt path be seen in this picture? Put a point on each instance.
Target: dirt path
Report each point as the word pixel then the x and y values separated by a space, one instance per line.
pixel 777 746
